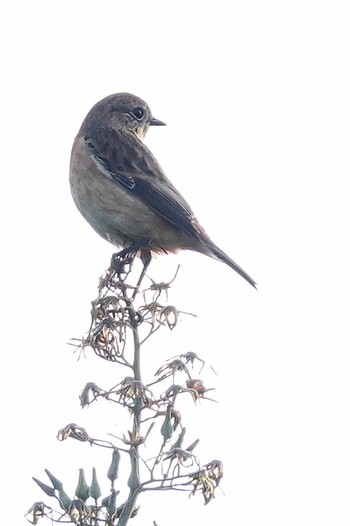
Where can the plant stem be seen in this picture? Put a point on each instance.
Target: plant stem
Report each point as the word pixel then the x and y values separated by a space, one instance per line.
pixel 134 478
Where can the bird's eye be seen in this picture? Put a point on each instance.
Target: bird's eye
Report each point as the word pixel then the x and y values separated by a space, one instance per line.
pixel 138 113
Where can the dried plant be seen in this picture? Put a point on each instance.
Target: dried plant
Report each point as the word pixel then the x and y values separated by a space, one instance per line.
pixel 123 318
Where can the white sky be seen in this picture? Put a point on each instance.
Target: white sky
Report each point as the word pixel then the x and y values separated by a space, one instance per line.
pixel 256 98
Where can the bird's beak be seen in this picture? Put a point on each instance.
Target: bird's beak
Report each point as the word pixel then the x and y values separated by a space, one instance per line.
pixel 156 122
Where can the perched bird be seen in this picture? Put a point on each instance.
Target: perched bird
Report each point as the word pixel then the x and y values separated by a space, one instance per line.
pixel 120 189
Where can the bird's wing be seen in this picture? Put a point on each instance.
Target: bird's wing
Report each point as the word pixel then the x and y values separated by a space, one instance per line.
pixel 129 163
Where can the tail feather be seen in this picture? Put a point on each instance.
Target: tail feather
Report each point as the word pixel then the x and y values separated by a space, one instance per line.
pixel 217 253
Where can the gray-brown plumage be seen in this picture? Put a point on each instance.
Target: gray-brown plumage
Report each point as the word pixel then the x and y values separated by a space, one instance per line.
pixel 121 190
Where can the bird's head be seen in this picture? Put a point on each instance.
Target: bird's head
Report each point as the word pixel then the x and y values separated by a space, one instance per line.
pixel 123 112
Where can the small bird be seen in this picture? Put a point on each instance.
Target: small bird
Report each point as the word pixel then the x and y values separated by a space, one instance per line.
pixel 121 190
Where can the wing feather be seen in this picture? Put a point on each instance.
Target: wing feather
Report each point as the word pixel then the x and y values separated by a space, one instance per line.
pixel 128 163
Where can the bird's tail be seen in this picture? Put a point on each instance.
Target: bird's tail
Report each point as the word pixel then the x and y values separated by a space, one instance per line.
pixel 217 253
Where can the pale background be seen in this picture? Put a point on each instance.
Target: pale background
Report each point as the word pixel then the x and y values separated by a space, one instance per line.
pixel 256 98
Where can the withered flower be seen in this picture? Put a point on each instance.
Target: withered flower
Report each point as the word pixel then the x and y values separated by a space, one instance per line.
pixel 196 388
pixel 131 390
pixel 191 357
pixel 73 431
pixel 169 369
pixel 37 511
pixel 207 479
pixel 79 511
pixel 94 390
pixel 168 315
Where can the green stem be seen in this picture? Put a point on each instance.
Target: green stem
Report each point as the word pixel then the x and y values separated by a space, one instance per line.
pixel 134 478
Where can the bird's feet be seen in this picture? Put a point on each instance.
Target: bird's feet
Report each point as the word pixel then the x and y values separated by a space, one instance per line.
pixel 126 256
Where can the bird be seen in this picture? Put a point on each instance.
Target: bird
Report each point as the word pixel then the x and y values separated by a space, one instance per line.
pixel 121 190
